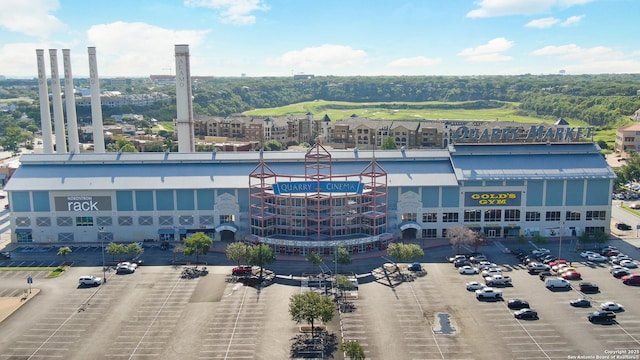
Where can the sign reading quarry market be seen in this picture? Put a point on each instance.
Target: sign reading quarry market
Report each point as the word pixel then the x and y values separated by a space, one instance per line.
pixel 490 198
pixel 83 203
pixel 535 133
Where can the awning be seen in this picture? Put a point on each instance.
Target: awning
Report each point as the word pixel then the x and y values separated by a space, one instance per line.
pixel 229 227
pixel 165 231
pixel 23 231
pixel 493 228
pixel 512 228
pixel 410 225
pixel 182 231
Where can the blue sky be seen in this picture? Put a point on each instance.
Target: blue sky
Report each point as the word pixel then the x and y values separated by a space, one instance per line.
pixel 325 37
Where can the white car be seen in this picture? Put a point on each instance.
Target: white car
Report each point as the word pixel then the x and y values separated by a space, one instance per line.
pixel 488 293
pixel 541 251
pixel 127 264
pixel 468 270
pixel 597 258
pixel 611 306
pixel 615 268
pixel 89 280
pixel 628 264
pixel 474 285
pixel 491 272
pixel 586 254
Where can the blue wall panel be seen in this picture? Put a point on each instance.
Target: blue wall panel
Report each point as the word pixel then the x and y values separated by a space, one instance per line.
pixel 450 196
pixel 124 200
pixel 41 201
pixel 185 200
pixel 555 193
pixel 430 196
pixel 392 195
pixel 20 201
pixel 243 200
pixel 575 191
pixel 164 200
pixel 515 182
pixel 205 199
pixel 598 192
pixel 144 200
pixel 534 192
pixel 493 183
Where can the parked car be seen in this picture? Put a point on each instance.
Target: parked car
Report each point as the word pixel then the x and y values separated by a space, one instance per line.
pixel 477 258
pixel 488 293
pixel 125 270
pixel 474 285
pixel 615 268
pixel 582 302
pixel 620 273
pixel 453 258
pixel 526 314
pixel 571 275
pixel 543 275
pixel 557 283
pixel 6 255
pixel 623 226
pixel 517 304
pixel 89 281
pixel 589 288
pixel 461 262
pixel 491 272
pixel 415 267
pixel 631 279
pixel 611 306
pixel 242 270
pixel 597 258
pixel 585 254
pixel 468 270
pixel 538 267
pixel 601 316
pixel 557 262
pixel 628 264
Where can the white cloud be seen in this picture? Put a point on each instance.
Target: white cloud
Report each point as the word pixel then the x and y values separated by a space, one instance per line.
pixel 131 49
pixel 31 17
pixel 572 20
pixel 324 56
pixel 543 23
pixel 489 52
pixel 413 62
pixel 235 12
pixel 493 8
pixel 599 59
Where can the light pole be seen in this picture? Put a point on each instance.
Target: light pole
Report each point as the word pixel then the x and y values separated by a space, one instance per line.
pixel 104 270
pixel 560 246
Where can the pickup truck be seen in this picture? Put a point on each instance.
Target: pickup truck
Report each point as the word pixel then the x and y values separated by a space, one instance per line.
pixel 497 280
pixel 491 272
pixel 488 293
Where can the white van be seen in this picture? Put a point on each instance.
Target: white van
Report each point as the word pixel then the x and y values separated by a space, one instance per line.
pixel 557 283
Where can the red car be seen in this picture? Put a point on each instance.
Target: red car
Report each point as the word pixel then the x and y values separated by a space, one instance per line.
pixel 631 279
pixel 242 270
pixel 571 275
pixel 557 262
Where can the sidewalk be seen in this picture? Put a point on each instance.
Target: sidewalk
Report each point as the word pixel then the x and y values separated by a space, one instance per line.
pixel 9 305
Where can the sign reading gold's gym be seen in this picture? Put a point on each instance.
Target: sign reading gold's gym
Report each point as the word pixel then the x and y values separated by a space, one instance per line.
pixel 500 198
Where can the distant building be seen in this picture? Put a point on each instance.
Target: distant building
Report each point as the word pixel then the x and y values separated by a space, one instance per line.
pixel 627 138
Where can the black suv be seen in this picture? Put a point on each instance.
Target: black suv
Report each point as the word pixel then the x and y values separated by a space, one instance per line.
pixel 623 226
pixel 587 287
pixel 601 316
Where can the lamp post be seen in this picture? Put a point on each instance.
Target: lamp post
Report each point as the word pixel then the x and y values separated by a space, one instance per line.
pixel 104 270
pixel 560 245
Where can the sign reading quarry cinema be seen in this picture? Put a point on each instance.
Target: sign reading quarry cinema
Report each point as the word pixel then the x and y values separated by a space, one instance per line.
pixel 490 198
pixel 83 203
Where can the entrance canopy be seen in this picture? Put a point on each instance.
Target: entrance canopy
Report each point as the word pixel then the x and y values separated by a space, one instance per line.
pixel 410 225
pixel 230 227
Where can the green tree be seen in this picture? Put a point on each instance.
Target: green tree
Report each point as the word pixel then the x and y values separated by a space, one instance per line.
pixel 272 145
pixel 600 237
pixel 13 136
pixel 404 252
pixel 114 249
pixel 343 283
pixel 197 244
pixel 129 148
pixel 539 239
pixel 353 350
pixel 309 307
pixel 388 144
pixel 33 129
pixel 133 249
pixel 237 252
pixel 314 259
pixel 261 255
pixel 64 252
pixel 342 256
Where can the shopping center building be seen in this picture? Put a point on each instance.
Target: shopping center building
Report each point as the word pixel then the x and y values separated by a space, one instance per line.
pixel 552 182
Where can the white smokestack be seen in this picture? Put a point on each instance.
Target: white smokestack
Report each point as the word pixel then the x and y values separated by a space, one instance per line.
pixel 70 101
pixel 96 104
pixel 45 113
pixel 58 116
pixel 184 119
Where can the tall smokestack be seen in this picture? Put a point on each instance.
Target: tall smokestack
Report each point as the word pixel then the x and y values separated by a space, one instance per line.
pixel 58 116
pixel 96 104
pixel 70 101
pixel 45 112
pixel 184 119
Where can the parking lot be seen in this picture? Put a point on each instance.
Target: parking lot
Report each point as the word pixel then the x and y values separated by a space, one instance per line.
pixel 155 314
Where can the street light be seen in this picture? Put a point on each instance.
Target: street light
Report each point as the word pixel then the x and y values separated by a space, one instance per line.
pixel 104 270
pixel 560 246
